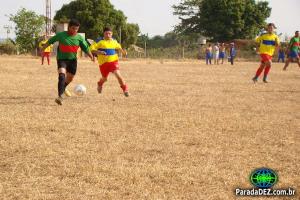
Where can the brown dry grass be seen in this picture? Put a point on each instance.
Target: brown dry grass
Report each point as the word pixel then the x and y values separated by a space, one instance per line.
pixel 188 131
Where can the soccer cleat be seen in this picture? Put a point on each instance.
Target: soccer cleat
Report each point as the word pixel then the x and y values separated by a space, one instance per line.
pixel 99 89
pixel 265 81
pixel 125 90
pixel 59 100
pixel 67 93
pixel 126 93
pixel 254 79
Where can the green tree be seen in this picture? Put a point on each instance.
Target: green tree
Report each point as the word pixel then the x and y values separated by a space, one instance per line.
pixel 222 20
pixel 28 27
pixel 129 34
pixel 142 39
pixel 94 15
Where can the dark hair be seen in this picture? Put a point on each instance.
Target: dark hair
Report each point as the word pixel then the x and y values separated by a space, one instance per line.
pixel 107 29
pixel 296 32
pixel 74 22
pixel 272 24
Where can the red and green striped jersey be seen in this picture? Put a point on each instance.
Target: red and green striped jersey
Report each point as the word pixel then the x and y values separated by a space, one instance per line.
pixel 295 44
pixel 68 45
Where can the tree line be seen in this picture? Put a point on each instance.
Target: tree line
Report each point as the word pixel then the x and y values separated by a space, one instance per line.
pixel 217 20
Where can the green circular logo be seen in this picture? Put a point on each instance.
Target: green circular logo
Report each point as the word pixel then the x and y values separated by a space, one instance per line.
pixel 263 178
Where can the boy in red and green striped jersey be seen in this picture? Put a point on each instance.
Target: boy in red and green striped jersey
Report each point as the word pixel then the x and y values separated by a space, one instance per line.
pixel 69 42
pixel 293 52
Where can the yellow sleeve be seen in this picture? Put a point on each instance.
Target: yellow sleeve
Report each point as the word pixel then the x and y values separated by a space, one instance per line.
pixel 277 40
pixel 258 40
pixel 41 44
pixel 94 47
pixel 118 45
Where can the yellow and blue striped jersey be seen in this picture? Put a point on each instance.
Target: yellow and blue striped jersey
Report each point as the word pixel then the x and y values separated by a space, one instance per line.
pixel 109 47
pixel 267 43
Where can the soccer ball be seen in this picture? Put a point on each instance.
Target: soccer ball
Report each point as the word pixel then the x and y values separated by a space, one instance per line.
pixel 80 90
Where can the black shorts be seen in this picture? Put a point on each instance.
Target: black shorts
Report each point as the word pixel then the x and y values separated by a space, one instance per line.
pixel 69 65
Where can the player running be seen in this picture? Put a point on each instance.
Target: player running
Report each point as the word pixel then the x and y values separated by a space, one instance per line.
pixel 293 48
pixel 106 49
pixel 69 42
pixel 47 51
pixel 266 44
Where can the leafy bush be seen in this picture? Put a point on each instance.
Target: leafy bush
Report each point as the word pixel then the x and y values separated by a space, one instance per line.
pixel 8 47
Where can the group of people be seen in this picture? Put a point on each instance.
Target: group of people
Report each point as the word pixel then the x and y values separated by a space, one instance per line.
pixel 218 53
pixel 266 46
pixel 106 49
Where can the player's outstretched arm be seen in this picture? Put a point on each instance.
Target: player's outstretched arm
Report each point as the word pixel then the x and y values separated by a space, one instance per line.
pixel 90 55
pixel 122 51
pixel 44 46
pixel 98 52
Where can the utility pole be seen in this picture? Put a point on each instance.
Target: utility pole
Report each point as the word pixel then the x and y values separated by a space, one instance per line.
pixel 145 48
pixel 183 52
pixel 121 40
pixel 8 28
pixel 48 17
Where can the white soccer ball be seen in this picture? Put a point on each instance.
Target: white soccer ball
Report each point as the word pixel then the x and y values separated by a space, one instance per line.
pixel 80 90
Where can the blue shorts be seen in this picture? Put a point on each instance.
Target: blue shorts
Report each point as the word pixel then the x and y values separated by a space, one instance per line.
pixel 222 55
pixel 208 56
pixel 281 55
pixel 293 54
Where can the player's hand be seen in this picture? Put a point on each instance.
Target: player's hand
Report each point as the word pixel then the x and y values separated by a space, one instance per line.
pixel 102 52
pixel 124 52
pixel 93 58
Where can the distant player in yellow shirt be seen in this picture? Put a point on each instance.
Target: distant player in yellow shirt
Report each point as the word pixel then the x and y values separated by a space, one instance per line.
pixel 107 49
pixel 266 45
pixel 46 52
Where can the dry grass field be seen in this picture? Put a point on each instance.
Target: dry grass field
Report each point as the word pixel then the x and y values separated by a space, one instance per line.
pixel 188 131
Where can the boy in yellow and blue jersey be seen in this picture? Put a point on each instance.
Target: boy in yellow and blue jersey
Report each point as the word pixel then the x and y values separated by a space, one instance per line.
pixel 266 44
pixel 47 51
pixel 106 49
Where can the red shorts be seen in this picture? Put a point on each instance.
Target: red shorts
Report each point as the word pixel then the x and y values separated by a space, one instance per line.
pixel 106 68
pixel 45 54
pixel 265 58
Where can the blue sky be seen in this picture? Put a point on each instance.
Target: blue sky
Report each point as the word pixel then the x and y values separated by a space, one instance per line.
pixel 155 17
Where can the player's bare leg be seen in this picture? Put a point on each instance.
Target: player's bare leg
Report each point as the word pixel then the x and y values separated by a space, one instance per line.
pixel 298 61
pixel 100 84
pixel 121 82
pixel 287 63
pixel 42 60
